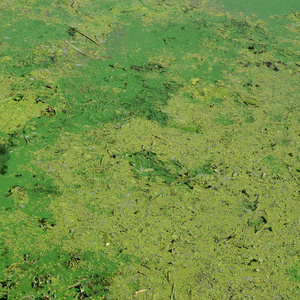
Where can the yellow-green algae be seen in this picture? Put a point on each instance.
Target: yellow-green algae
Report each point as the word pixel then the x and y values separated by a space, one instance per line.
pixel 153 170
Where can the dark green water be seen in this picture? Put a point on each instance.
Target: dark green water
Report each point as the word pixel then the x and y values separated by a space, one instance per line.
pixel 149 150
pixel 265 10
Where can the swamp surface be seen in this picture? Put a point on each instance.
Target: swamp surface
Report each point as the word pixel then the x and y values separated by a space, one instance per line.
pixel 149 150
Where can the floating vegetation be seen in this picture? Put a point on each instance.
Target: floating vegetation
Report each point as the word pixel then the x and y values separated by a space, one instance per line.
pixel 148 149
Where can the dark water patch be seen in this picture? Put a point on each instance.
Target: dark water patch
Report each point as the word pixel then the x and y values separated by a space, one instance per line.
pixel 114 93
pixel 4 157
pixel 43 275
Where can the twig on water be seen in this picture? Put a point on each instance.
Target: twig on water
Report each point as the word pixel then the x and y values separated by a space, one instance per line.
pixel 75 29
pixel 289 169
pixel 74 285
pixel 173 292
pixel 74 4
pixel 78 50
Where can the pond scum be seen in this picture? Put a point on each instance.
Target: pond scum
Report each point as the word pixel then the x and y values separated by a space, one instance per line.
pixel 148 150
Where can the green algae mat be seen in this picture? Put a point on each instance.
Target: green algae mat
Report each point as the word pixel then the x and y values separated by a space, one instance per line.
pixel 148 150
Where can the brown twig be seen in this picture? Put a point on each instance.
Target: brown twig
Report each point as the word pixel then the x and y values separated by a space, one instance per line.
pixel 289 169
pixel 173 292
pixel 140 272
pixel 24 220
pixel 73 5
pixel 72 286
pixel 145 266
pixel 87 37
pixel 75 48
pixel 140 291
